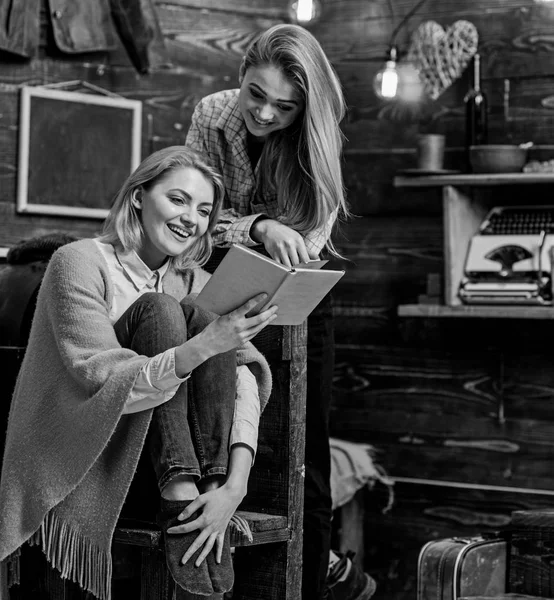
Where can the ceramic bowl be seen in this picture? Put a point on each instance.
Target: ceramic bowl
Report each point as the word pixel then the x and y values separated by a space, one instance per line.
pixel 497 158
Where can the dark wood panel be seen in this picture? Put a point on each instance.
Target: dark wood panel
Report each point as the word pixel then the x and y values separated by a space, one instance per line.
pixel 457 372
pixel 207 41
pixel 449 413
pixel 267 8
pixel 360 324
pixel 454 378
pixel 477 450
pixel 389 258
pixel 369 178
pixel 528 382
pixel 16 228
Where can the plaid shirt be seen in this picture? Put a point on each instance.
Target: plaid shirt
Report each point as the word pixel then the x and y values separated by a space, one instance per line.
pixel 218 131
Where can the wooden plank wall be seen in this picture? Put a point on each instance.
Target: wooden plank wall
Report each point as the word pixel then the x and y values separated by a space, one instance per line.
pixel 465 405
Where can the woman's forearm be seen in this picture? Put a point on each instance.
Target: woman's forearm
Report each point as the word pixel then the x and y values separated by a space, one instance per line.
pixel 240 462
pixel 190 355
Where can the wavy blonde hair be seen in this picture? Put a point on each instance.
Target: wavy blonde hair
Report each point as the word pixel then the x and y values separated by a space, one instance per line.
pixel 123 225
pixel 302 164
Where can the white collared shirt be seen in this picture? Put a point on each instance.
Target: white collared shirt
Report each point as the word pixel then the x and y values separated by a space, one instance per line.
pixel 157 381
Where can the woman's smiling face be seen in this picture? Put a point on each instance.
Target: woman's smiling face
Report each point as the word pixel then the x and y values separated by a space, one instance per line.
pixel 175 213
pixel 268 101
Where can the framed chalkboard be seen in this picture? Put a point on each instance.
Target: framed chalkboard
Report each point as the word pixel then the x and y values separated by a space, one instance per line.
pixel 75 151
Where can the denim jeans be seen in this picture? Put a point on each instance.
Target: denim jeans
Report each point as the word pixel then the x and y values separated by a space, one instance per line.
pixel 188 434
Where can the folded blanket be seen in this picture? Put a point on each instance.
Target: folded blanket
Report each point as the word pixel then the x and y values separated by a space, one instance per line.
pixel 352 468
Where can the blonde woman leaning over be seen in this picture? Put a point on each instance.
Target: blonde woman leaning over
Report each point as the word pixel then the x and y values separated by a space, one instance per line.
pixel 278 144
pixel 115 368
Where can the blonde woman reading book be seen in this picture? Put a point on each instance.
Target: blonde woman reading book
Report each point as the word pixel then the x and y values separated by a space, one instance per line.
pixel 116 368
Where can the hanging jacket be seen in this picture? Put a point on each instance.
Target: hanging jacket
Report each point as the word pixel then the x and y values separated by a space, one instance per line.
pixel 81 26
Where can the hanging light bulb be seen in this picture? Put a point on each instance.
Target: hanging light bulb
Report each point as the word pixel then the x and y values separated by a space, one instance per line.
pixel 304 12
pixel 394 81
pixel 385 82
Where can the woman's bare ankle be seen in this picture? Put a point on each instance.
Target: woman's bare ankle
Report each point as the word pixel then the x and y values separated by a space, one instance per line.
pixel 182 487
pixel 211 483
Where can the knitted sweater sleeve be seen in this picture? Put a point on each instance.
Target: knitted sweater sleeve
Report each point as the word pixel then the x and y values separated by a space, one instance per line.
pixel 68 399
pixel 73 306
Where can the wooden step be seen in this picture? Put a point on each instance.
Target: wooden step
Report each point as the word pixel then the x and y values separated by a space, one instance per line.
pixel 265 529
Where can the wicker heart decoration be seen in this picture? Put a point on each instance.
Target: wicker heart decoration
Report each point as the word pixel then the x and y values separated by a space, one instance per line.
pixel 441 56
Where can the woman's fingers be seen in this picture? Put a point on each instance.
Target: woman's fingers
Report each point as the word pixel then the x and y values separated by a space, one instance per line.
pixel 284 244
pixel 256 321
pixel 249 305
pixel 186 527
pixel 283 257
pixel 207 549
pixel 197 523
pixel 235 328
pixel 294 256
pixel 264 316
pixel 195 505
pixel 198 543
pixel 303 254
pixel 219 547
pixel 259 321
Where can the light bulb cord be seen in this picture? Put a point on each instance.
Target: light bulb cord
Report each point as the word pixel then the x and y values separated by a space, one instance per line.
pixel 397 29
pixel 386 80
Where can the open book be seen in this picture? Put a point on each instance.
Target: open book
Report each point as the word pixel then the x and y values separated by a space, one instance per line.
pixel 243 273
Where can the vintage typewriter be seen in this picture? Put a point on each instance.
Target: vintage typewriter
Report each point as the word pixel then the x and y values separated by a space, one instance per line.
pixel 509 260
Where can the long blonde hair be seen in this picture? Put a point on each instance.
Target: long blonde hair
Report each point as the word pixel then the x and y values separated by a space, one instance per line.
pixel 302 164
pixel 123 226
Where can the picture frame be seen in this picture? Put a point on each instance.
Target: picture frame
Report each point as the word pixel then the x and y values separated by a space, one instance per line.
pixel 75 151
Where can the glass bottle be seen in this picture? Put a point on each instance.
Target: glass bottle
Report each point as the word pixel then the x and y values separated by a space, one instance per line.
pixel 476 112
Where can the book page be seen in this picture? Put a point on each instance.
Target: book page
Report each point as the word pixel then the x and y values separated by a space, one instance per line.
pixel 301 292
pixel 312 264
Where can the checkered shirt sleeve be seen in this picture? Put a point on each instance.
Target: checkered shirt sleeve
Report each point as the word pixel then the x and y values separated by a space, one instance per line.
pixel 236 217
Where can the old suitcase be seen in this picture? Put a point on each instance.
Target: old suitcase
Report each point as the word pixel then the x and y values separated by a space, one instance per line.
pixel 454 567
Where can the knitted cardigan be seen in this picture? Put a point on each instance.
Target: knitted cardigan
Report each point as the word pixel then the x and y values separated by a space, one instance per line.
pixel 70 453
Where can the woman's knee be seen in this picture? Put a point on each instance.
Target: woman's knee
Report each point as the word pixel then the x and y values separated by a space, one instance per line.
pixel 161 304
pixel 163 310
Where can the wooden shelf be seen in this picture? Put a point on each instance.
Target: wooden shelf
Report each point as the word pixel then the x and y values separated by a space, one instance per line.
pixel 485 179
pixel 463 213
pixel 485 312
